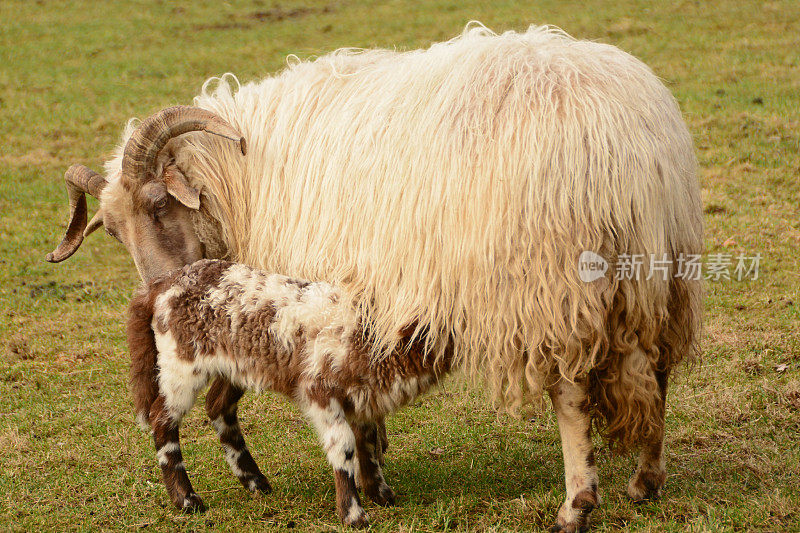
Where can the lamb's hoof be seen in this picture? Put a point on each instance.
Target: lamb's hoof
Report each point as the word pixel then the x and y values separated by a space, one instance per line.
pixel 568 528
pixel 646 485
pixel 192 504
pixel 382 495
pixel 356 518
pixel 257 484
pixel 579 524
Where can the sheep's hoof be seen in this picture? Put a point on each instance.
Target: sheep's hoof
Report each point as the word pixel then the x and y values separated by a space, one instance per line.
pixel 192 504
pixel 574 515
pixel 382 495
pixel 257 484
pixel 645 485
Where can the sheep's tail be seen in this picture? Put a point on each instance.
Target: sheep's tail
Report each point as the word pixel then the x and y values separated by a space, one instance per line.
pixel 144 355
pixel 627 401
pixel 628 389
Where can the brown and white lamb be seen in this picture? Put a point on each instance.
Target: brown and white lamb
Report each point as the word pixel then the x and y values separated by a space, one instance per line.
pixel 266 331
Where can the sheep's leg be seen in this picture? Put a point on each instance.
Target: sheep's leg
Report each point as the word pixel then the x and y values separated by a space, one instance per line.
pixel 166 424
pixel 650 474
pixel 339 443
pixel 222 403
pixel 368 446
pixel 580 473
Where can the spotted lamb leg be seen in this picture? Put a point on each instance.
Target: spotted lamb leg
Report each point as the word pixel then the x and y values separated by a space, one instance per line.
pixel 221 405
pixel 166 426
pixel 339 443
pixel 368 446
pixel 383 441
pixel 580 472
pixel 650 474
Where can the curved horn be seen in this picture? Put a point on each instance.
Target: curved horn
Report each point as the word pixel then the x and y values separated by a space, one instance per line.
pixel 142 149
pixel 80 180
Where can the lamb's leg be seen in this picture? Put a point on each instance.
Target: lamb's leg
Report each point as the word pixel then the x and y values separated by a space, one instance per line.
pixel 383 441
pixel 166 424
pixel 368 445
pixel 339 443
pixel 580 473
pixel 650 474
pixel 221 405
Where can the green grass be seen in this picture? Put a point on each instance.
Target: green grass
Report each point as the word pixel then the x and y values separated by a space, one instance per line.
pixel 71 457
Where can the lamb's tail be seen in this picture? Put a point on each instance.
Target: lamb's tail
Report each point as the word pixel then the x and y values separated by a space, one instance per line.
pixel 144 355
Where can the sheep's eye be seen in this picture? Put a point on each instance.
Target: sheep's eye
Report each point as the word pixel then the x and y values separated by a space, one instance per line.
pixel 112 234
pixel 160 206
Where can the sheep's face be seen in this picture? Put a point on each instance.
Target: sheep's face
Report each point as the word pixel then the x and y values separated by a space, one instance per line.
pixel 154 226
pixel 146 201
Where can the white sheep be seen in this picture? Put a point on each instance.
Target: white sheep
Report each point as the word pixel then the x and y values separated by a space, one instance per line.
pixel 454 188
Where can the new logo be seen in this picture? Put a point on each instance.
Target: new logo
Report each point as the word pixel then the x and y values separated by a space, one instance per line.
pixel 591 266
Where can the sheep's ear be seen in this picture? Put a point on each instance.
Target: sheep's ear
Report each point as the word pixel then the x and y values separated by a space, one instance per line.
pixel 96 222
pixel 178 186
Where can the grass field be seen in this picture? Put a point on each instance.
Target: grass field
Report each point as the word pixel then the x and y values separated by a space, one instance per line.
pixel 71 458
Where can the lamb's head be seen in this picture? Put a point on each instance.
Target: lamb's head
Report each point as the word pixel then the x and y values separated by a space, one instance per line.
pixel 148 208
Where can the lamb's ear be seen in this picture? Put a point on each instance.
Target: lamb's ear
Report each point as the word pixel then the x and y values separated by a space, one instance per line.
pixel 178 186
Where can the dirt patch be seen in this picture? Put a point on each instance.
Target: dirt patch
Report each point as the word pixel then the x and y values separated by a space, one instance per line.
pixel 791 395
pixel 79 291
pixel 752 366
pixel 19 349
pixel 714 209
pixel 34 158
pixel 10 438
pixel 222 26
pixel 627 27
pixel 278 13
pixel 274 14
